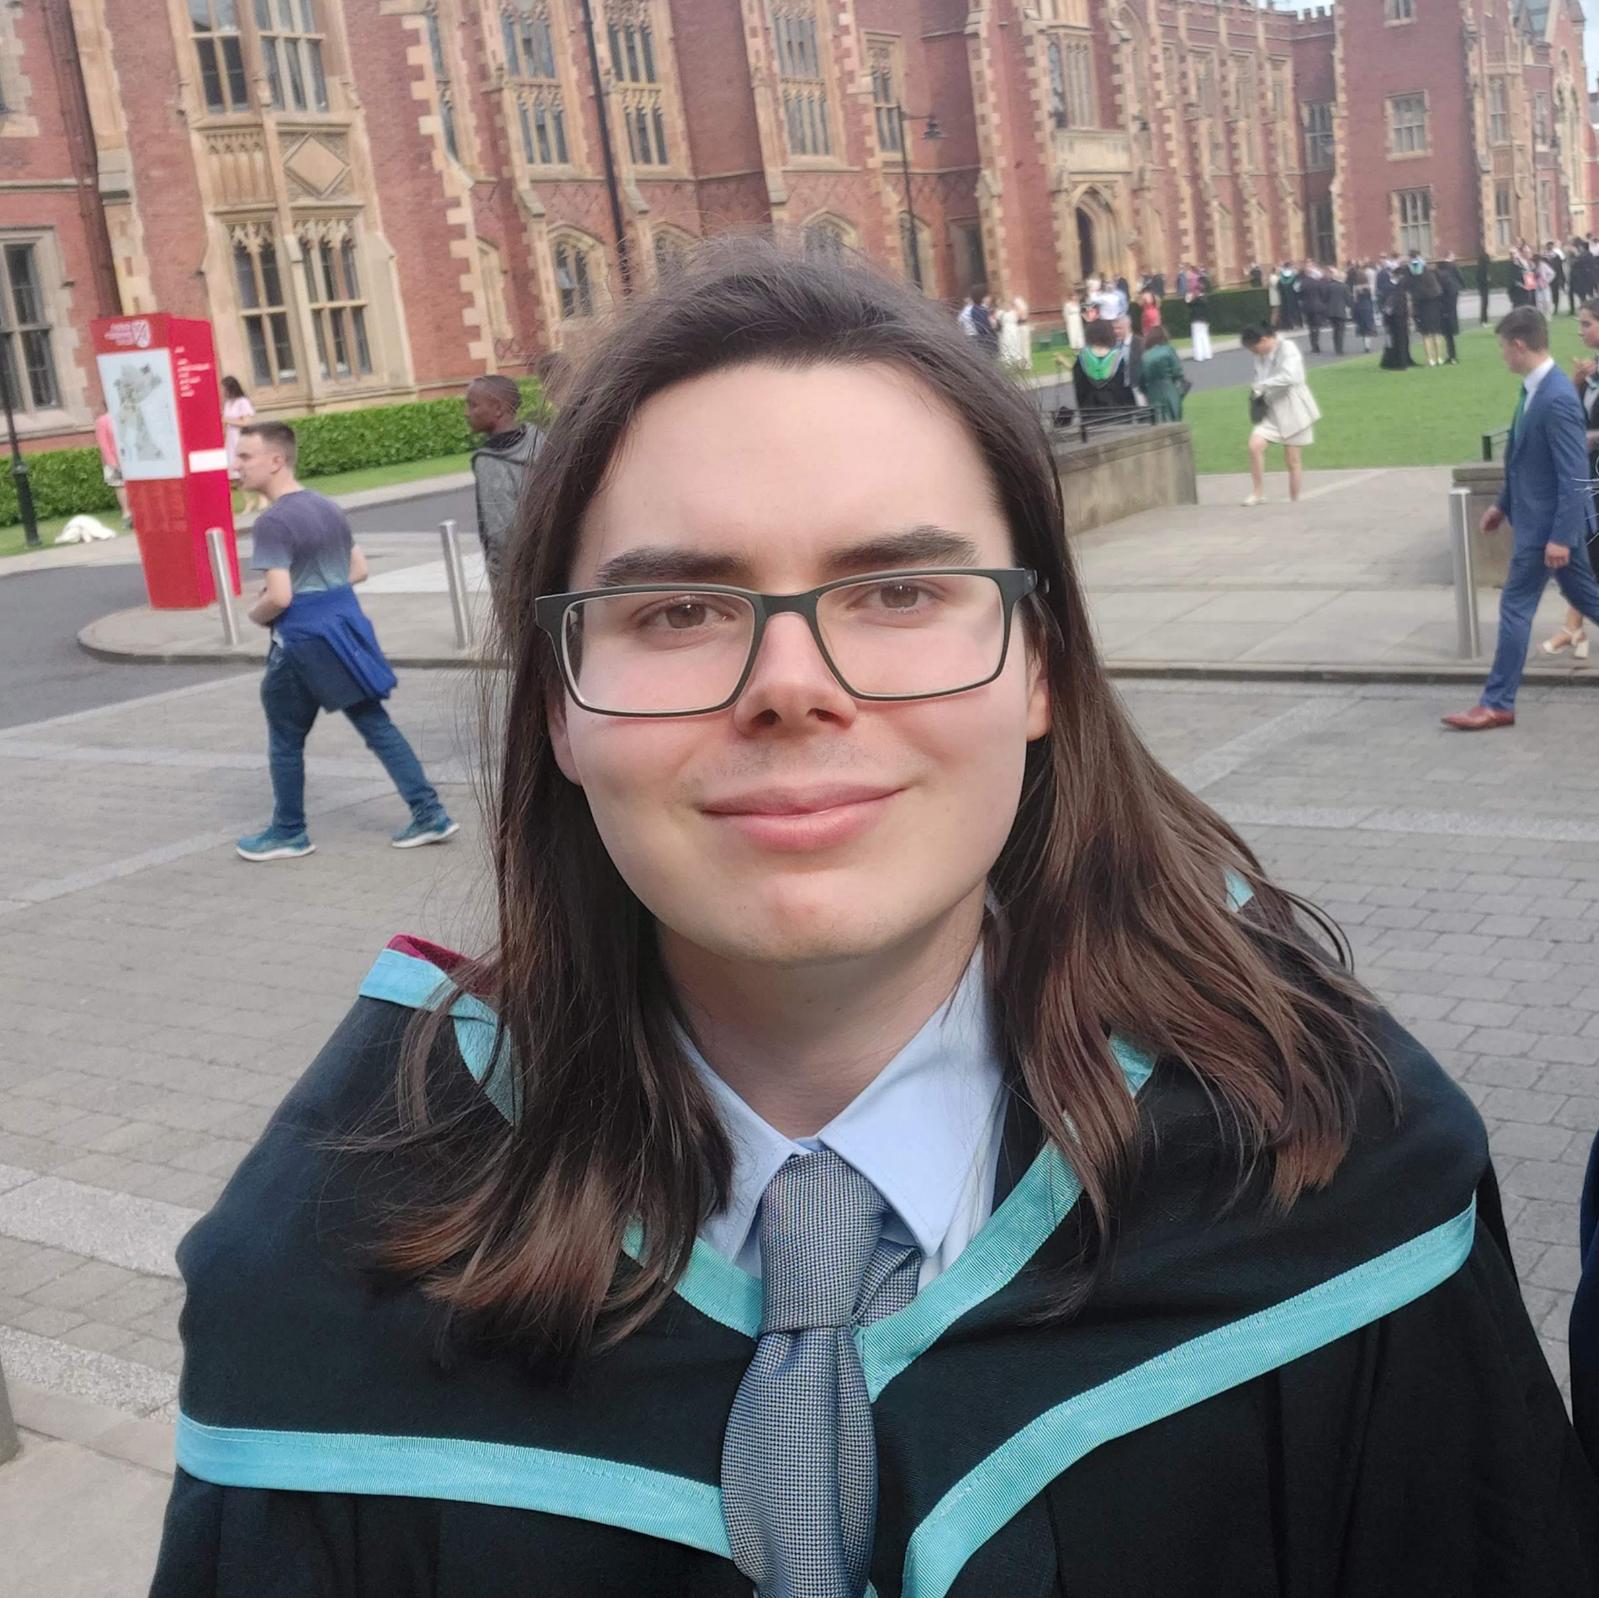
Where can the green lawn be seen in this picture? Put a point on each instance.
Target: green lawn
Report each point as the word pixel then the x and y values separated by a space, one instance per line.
pixel 1428 416
pixel 11 541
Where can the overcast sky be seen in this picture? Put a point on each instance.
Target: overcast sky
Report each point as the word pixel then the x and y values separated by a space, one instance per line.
pixel 1591 36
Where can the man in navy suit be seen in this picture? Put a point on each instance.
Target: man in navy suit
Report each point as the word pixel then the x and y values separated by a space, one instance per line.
pixel 1549 507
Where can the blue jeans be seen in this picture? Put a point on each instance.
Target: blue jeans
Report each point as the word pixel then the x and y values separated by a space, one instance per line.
pixel 1518 602
pixel 291 710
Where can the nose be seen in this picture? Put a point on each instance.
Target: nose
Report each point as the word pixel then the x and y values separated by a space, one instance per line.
pixel 790 683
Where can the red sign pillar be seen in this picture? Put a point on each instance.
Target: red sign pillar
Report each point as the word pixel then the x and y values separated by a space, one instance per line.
pixel 159 377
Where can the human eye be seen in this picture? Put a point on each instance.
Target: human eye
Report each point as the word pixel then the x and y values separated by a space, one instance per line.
pixel 682 617
pixel 900 598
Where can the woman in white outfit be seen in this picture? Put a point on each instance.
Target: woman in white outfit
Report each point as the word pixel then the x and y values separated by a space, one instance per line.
pixel 1290 408
pixel 1072 314
pixel 1015 339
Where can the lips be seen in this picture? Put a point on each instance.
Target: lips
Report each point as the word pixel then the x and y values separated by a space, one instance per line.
pixel 802 821
pixel 796 801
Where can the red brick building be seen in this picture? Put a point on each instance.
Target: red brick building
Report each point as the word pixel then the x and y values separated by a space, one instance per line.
pixel 380 198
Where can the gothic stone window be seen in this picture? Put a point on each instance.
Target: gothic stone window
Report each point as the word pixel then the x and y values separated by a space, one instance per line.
pixel 444 78
pixel 579 272
pixel 1498 111
pixel 803 82
pixel 1503 215
pixel 220 49
pixel 630 34
pixel 826 238
pixel 1407 124
pixel 259 283
pixel 1071 81
pixel 291 47
pixel 528 40
pixel 25 331
pixel 527 36
pixel 1318 135
pixel 281 39
pixel 1399 10
pixel 1413 207
pixel 882 55
pixel 672 250
pixel 333 294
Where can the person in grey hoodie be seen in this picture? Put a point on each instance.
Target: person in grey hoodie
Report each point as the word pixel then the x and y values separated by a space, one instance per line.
pixel 499 465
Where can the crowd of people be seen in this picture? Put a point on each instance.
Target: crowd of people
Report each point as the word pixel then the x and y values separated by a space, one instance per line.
pixel 1386 299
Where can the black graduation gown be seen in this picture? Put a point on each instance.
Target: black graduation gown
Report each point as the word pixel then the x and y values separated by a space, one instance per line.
pixel 1347 1401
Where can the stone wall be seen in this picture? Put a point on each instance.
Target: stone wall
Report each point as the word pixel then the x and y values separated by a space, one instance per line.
pixel 1121 473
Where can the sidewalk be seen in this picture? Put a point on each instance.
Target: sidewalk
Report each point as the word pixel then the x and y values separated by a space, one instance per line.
pixel 1352 584
pixel 124 549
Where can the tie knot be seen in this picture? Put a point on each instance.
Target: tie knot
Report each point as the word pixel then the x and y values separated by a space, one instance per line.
pixel 820 1222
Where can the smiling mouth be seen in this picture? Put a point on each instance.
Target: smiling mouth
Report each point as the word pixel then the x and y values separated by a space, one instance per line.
pixel 799 823
pixel 787 802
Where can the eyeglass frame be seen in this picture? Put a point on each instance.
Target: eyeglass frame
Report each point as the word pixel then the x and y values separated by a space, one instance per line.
pixel 1015 583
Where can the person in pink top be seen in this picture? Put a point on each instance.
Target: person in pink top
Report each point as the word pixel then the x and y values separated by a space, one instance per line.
pixel 237 413
pixel 105 435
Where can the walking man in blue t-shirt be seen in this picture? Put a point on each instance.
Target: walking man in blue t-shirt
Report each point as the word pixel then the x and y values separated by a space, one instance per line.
pixel 324 655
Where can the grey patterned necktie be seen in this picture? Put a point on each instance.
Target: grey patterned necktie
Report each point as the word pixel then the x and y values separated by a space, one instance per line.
pixel 799 1461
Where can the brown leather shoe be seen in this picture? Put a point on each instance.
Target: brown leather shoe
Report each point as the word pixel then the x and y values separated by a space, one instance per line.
pixel 1479 719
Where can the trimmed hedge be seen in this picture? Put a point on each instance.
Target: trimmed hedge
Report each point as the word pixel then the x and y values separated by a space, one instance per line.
pixel 1231 311
pixel 69 481
pixel 65 482
pixel 389 435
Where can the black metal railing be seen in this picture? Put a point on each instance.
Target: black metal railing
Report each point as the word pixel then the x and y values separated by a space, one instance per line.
pixel 1058 411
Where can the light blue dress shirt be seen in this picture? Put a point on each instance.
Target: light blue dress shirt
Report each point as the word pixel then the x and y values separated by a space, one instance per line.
pixel 926 1132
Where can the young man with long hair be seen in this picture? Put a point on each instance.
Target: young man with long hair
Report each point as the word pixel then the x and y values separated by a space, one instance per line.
pixel 900 1140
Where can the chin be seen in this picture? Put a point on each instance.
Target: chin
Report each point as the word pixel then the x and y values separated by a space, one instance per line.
pixel 807 927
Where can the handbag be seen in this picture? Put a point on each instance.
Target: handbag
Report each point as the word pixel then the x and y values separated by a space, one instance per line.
pixel 1185 386
pixel 1257 408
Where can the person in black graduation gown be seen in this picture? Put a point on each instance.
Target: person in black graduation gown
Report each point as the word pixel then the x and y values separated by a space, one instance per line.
pixel 901 1140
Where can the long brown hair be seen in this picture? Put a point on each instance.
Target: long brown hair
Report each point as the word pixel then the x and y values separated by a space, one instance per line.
pixel 1111 883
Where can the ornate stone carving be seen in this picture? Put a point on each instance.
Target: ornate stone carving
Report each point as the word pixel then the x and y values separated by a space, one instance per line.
pixel 317 166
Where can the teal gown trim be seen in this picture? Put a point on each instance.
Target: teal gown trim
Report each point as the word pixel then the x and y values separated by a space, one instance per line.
pixel 973 1510
pixel 603 1491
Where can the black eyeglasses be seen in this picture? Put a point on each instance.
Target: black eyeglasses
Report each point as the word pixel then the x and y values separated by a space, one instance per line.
pixel 670 649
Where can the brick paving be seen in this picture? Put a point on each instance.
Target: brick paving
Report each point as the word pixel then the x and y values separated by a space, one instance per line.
pixel 160 995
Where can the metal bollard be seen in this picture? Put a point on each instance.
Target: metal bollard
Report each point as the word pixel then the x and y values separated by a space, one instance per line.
pixel 455 573
pixel 10 1443
pixel 1468 643
pixel 222 579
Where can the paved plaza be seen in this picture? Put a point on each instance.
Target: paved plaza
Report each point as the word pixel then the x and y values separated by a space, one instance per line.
pixel 160 995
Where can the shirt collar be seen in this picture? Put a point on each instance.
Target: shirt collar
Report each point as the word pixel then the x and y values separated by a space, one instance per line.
pixel 912 1132
pixel 1533 378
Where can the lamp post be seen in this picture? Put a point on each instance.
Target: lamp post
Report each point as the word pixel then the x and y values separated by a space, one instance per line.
pixel 19 466
pixel 930 131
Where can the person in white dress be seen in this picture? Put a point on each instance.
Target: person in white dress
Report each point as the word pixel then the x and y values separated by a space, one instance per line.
pixel 1072 315
pixel 1291 411
pixel 1015 339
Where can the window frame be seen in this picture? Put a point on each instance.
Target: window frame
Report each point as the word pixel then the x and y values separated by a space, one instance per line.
pixel 17 330
pixel 1319 141
pixel 799 50
pixel 585 270
pixel 267 320
pixel 1395 13
pixel 330 257
pixel 1411 137
pixel 1415 233
pixel 288 44
pixel 885 73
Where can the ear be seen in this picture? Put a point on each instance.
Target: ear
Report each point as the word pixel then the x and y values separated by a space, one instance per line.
pixel 560 738
pixel 1038 700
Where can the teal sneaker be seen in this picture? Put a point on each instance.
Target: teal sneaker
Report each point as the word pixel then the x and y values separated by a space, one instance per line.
pixel 273 845
pixel 435 829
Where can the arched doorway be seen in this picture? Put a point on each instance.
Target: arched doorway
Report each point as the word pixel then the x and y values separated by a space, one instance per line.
pixel 1087 257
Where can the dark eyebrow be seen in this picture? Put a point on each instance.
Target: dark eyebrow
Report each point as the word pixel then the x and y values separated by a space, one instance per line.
pixel 924 545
